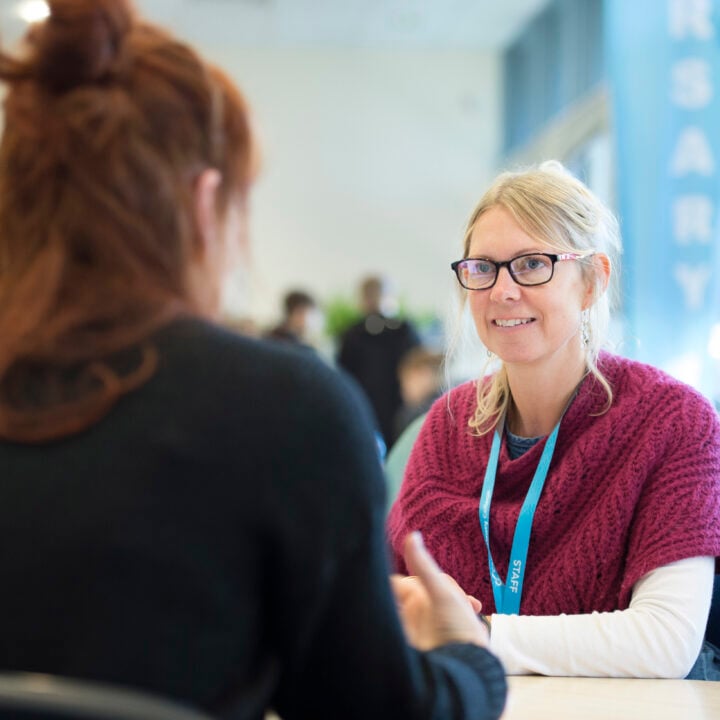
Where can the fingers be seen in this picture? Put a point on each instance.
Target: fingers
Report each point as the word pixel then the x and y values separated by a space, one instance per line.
pixel 475 604
pixel 405 586
pixel 415 552
pixel 401 589
pixel 419 562
pixel 449 615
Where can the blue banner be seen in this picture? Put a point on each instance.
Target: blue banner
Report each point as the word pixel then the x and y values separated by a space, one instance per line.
pixel 664 74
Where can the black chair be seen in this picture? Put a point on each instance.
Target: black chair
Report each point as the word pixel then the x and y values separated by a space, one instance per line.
pixel 31 696
pixel 712 634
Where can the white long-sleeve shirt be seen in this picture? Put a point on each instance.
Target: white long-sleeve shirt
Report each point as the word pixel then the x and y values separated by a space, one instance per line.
pixel 658 636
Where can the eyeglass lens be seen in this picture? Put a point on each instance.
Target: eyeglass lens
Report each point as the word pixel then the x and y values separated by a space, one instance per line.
pixel 525 270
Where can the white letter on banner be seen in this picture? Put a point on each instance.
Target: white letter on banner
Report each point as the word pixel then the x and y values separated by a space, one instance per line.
pixel 692 219
pixel 690 18
pixel 693 281
pixel 692 153
pixel 691 84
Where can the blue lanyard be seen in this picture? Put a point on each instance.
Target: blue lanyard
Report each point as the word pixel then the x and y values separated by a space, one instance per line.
pixel 507 594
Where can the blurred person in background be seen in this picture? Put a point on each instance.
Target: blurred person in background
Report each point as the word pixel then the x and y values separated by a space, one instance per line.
pixel 420 385
pixel 574 492
pixel 371 350
pixel 301 319
pixel 184 510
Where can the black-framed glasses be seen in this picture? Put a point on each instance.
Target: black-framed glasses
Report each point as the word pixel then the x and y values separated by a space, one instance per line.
pixel 528 269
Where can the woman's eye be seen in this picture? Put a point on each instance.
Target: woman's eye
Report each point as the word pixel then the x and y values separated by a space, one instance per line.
pixel 530 263
pixel 482 268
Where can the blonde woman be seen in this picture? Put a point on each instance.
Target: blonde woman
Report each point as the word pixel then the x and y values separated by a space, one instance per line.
pixel 575 493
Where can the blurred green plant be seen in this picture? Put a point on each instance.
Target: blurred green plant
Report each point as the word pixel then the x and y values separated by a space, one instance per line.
pixel 341 313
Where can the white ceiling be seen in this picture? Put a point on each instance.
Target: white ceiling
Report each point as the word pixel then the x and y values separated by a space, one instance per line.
pixel 370 24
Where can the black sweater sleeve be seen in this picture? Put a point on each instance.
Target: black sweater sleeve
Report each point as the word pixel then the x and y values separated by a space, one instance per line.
pixel 345 652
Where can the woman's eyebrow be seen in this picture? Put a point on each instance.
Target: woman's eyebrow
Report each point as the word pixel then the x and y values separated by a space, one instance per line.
pixel 481 256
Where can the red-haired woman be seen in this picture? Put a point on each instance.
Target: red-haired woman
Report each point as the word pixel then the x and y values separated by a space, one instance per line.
pixel 183 510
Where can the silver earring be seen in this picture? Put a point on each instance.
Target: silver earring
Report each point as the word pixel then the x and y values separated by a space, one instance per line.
pixel 585 328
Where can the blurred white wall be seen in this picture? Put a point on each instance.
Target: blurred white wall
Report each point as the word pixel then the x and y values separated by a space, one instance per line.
pixel 380 128
pixel 372 162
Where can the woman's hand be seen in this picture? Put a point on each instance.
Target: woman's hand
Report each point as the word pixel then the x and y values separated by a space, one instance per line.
pixel 433 608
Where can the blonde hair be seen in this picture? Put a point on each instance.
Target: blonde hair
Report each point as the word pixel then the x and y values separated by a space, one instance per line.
pixel 555 208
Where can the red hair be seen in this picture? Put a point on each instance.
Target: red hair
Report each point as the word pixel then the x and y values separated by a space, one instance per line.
pixel 108 123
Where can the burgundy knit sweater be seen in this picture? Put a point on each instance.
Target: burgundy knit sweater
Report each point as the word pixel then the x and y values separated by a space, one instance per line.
pixel 628 491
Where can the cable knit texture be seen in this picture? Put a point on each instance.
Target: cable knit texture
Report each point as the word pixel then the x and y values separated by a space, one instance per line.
pixel 628 491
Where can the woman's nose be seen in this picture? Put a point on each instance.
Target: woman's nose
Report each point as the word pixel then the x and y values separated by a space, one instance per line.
pixel 505 288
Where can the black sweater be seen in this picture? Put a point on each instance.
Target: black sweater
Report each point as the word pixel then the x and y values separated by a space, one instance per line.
pixel 218 538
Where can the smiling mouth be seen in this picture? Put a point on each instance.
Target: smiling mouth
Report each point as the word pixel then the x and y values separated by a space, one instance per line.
pixel 513 323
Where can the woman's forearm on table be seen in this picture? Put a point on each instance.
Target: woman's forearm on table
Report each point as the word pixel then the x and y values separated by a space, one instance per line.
pixel 659 635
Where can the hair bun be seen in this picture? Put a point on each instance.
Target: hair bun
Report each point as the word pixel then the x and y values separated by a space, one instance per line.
pixel 81 41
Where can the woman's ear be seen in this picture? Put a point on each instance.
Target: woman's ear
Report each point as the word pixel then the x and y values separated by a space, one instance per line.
pixel 203 271
pixel 206 214
pixel 602 270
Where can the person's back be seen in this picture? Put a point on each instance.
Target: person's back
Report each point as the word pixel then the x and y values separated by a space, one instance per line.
pixel 183 509
pixel 174 546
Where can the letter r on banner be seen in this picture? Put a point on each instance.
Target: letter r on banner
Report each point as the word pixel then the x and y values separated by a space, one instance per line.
pixel 690 18
pixel 692 219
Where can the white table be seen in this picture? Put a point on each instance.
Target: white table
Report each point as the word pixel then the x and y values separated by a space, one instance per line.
pixel 555 698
